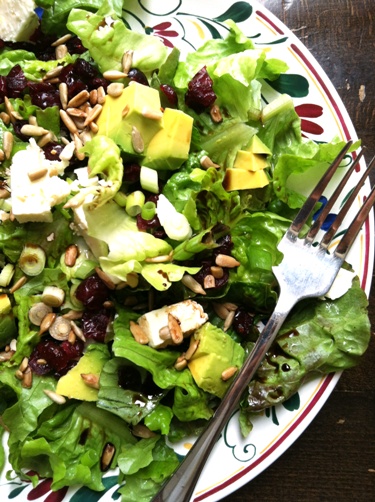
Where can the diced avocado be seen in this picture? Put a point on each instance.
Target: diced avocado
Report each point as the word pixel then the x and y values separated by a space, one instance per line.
pixel 250 161
pixel 72 385
pixel 257 146
pixel 242 179
pixel 5 305
pixel 216 352
pixel 139 106
pixel 169 148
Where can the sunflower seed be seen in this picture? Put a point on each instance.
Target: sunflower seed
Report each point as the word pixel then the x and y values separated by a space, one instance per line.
pixel 137 140
pixel 175 329
pixel 47 323
pixel 32 120
pixel 4 193
pixel 18 284
pixel 132 279
pixel 63 90
pixel 206 162
pixel 5 118
pixel 71 254
pixel 77 331
pixel 72 337
pixel 94 128
pixel 36 174
pixel 73 315
pixel 141 431
pixel 216 114
pixel 127 61
pixel 138 333
pixel 55 72
pixel 209 281
pixel 27 380
pixel 180 364
pixel 217 272
pixel 41 361
pixel 93 98
pixel 105 278
pixel 149 113
pixel 91 380
pixel 6 356
pixel 78 146
pixel 224 260
pixel 54 396
pixel 107 456
pixel 228 373
pixel 79 99
pixel 61 51
pixel 76 112
pixel 61 40
pixel 115 89
pixel 7 143
pixel 9 108
pixel 229 320
pixel 24 364
pixel 45 139
pixel 159 259
pixel 33 130
pixel 114 75
pixel 68 122
pixel 94 114
pixel 189 281
pixel 101 95
pixel 18 374
pixel 192 348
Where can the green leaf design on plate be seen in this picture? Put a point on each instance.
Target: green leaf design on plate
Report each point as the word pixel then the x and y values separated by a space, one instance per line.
pixel 295 85
pixel 84 494
pixel 14 493
pixel 239 11
pixel 293 403
pixel 214 32
pixel 275 42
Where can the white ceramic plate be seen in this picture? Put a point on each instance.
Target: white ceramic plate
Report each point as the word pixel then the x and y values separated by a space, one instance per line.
pixel 187 24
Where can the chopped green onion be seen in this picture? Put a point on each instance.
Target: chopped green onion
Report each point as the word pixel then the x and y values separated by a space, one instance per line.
pixel 149 179
pixel 6 275
pixel 53 296
pixel 134 203
pixel 120 198
pixel 32 259
pixel 282 103
pixel 148 210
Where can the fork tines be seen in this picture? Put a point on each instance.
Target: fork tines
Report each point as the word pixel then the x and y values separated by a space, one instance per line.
pixel 358 221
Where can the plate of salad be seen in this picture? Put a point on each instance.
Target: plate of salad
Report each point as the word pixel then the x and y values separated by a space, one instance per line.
pixel 152 154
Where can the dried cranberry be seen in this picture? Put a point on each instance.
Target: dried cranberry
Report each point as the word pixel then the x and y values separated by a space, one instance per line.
pixel 16 82
pixel 138 76
pixel 225 246
pixel 72 350
pixel 17 126
pixel 92 292
pixel 94 324
pixel 51 352
pixel 132 172
pixel 52 150
pixel 98 82
pixel 44 95
pixel 242 322
pixel 84 69
pixel 152 226
pixel 169 93
pixel 75 46
pixel 200 94
pixel 206 270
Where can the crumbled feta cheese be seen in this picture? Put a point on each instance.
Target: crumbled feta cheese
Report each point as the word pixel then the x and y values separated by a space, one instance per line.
pixel 18 20
pixel 188 313
pixel 32 200
pixel 341 284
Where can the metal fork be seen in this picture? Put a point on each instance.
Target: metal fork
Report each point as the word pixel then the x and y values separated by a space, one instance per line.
pixel 306 271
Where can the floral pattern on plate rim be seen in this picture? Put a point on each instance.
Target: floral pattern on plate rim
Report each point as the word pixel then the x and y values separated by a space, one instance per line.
pixel 187 24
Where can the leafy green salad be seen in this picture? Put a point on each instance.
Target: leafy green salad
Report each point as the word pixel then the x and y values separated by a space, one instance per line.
pixel 142 197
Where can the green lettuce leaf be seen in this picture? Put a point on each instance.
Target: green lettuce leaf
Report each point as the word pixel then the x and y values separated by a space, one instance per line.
pixel 319 336
pixel 107 43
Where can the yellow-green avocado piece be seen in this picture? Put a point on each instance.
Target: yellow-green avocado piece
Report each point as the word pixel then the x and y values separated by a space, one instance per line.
pixel 250 161
pixel 72 385
pixel 243 179
pixel 169 148
pixel 137 106
pixel 257 146
pixel 216 352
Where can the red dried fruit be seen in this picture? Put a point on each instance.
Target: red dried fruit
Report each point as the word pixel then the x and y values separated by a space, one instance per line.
pixel 92 292
pixel 94 324
pixel 200 94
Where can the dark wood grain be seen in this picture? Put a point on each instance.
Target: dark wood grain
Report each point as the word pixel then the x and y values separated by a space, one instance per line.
pixel 334 459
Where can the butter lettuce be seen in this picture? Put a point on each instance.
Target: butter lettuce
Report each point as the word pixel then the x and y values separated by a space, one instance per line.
pixel 108 42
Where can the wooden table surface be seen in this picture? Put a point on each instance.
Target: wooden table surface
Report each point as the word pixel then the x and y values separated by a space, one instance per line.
pixel 334 459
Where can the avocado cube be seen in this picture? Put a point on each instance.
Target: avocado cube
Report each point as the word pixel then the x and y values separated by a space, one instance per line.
pixel 242 179
pixel 250 161
pixel 5 305
pixel 169 148
pixel 257 146
pixel 216 352
pixel 138 106
pixel 72 385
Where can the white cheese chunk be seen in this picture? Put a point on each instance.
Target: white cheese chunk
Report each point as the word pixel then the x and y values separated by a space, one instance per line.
pixel 341 284
pixel 18 20
pixel 32 200
pixel 189 314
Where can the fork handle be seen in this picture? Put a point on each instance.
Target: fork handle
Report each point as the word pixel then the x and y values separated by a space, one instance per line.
pixel 181 485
